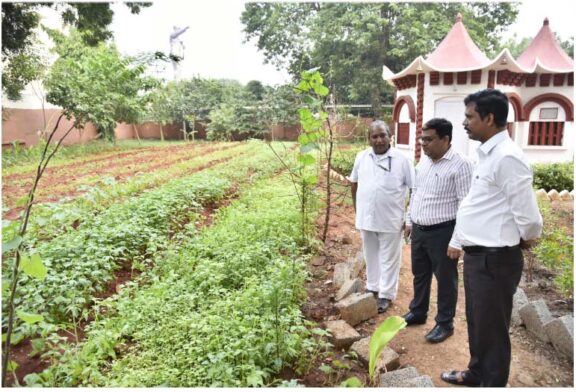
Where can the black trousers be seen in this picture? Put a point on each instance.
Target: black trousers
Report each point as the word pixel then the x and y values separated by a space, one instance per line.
pixel 429 258
pixel 490 281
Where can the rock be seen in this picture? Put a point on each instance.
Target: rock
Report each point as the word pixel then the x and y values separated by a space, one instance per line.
pixel 525 379
pixel 389 360
pixel 357 308
pixel 554 195
pixel 318 261
pixel 520 299
pixel 350 287
pixel 397 378
pixel 560 331
pixel 343 335
pixel 356 264
pixel 542 195
pixel 565 195
pixel 572 193
pixel 535 315
pixel 341 274
pixel 419 382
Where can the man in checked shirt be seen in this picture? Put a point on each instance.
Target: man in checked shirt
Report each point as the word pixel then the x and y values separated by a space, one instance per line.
pixel 443 179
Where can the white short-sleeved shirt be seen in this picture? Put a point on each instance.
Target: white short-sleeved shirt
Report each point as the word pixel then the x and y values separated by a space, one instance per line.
pixel 501 207
pixel 383 184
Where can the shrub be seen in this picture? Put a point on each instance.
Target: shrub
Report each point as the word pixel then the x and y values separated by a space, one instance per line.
pixel 557 176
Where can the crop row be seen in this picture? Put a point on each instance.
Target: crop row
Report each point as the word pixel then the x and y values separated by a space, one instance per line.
pixel 54 219
pixel 81 261
pixel 68 179
pixel 221 310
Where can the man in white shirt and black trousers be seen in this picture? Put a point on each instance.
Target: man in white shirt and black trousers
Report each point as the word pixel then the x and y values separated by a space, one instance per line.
pixel 381 179
pixel 498 218
pixel 443 179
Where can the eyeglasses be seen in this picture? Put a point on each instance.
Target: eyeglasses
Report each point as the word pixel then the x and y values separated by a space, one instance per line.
pixel 426 139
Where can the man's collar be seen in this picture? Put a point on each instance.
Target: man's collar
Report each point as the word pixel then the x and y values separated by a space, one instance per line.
pixel 489 144
pixel 385 155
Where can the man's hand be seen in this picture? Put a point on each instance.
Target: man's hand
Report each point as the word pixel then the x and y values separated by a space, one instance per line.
pixel 407 232
pixel 454 253
pixel 527 244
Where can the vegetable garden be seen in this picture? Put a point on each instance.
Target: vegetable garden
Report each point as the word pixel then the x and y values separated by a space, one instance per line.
pixel 225 295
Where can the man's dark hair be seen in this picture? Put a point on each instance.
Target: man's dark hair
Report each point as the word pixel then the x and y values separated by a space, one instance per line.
pixel 490 101
pixel 442 127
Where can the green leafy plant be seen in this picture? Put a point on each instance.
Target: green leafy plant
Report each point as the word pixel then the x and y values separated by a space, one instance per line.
pixel 352 382
pixel 380 339
pixel 557 176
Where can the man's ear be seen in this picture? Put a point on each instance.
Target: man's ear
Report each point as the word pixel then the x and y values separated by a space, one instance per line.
pixel 490 119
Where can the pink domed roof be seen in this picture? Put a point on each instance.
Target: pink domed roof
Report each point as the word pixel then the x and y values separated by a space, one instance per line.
pixel 457 50
pixel 545 50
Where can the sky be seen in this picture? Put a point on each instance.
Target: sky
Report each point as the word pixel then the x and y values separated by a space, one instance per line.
pixel 214 46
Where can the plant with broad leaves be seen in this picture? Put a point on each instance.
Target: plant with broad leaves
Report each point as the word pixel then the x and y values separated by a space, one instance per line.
pixel 380 339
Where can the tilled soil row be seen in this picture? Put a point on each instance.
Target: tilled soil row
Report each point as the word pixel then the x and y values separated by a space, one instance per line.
pixel 11 192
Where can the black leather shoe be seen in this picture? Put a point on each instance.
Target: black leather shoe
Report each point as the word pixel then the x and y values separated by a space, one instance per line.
pixel 439 334
pixel 383 304
pixel 412 319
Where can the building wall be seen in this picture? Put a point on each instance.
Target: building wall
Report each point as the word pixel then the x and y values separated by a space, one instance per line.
pixel 26 125
pixel 442 100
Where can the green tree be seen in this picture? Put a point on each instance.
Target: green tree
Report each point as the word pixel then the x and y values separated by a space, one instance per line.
pixel 350 42
pixel 256 89
pixel 95 84
pixel 21 62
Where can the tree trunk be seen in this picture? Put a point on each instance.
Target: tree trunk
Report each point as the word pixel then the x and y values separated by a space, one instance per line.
pixel 161 133
pixel 136 132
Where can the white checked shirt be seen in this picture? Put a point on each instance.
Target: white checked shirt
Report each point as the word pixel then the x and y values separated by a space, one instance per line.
pixel 501 206
pixel 383 184
pixel 439 188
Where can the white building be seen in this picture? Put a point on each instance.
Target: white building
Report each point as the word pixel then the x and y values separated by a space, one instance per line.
pixel 539 85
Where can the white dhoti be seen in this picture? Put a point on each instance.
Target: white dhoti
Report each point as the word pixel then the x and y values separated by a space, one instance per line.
pixel 383 255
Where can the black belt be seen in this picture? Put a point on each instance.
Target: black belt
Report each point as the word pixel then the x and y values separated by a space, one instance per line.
pixel 488 249
pixel 434 227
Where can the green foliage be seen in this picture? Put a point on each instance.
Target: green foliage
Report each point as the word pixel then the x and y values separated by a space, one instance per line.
pixel 95 84
pixel 351 41
pixel 557 176
pixel 555 250
pixel 21 62
pixel 214 313
pixel 352 382
pixel 381 337
pixel 82 260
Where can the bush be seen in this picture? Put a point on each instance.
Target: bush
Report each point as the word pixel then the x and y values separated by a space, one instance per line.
pixel 557 176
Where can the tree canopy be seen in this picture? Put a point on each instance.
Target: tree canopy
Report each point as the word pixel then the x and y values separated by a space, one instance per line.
pixel 96 84
pixel 21 62
pixel 350 42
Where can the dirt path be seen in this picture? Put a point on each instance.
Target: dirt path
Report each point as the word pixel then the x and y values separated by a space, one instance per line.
pixel 534 364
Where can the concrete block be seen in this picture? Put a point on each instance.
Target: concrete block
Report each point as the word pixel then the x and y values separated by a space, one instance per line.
pixel 350 287
pixel 534 315
pixel 419 382
pixel 560 331
pixel 343 335
pixel 565 195
pixel 341 274
pixel 397 378
pixel 520 299
pixel 357 308
pixel 542 195
pixel 389 360
pixel 554 195
pixel 356 264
